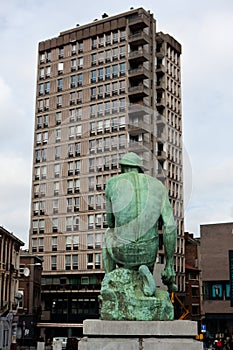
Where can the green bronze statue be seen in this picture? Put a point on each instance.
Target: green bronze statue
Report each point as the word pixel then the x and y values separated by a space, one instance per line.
pixel 134 204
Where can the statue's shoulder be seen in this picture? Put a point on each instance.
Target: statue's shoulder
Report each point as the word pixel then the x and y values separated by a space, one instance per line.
pixel 152 180
pixel 112 181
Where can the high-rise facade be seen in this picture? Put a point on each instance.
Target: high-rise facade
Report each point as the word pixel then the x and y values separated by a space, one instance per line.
pixel 103 89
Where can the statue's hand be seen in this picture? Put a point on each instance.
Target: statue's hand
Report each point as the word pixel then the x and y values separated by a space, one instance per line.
pixel 169 277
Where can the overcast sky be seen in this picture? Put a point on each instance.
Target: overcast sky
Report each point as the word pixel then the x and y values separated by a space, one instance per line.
pixel 204 28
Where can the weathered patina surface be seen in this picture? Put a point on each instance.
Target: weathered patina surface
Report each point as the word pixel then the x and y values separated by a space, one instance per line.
pixel 135 202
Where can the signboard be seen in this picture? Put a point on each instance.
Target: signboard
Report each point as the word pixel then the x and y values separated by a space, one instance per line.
pixel 203 328
pixel 231 275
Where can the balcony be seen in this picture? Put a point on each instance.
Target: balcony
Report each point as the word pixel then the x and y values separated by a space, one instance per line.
pixel 139 38
pixel 160 86
pixel 138 74
pixel 160 104
pixel 138 56
pixel 138 126
pixel 138 92
pixel 137 110
pixel 160 70
pixel 161 155
pixel 138 21
pixel 139 146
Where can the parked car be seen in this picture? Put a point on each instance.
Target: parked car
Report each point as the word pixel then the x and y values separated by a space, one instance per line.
pixel 57 341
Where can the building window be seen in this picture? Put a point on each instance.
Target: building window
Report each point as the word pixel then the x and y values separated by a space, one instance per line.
pixel 58 118
pixel 90 221
pixel 79 113
pixel 53 263
pixel 90 261
pixel 101 57
pixel 78 149
pixel 122 68
pixel 59 84
pixel 60 67
pixel 98 220
pixel 195 291
pixel 80 79
pixel 115 53
pixel 94 43
pixel 56 188
pixel 72 98
pixel 68 242
pixel 73 81
pixel 61 52
pixel 97 260
pixel 58 135
pixel 59 101
pixel 41 89
pixel 55 206
pixel 41 225
pixel 42 57
pixel 75 261
pixel 91 183
pixel 76 223
pixel 91 202
pixel 79 96
pixel 73 49
pixel 48 71
pixel 108 56
pixel 98 240
pixel 77 167
pixel 217 291
pixel 101 40
pixel 80 62
pixel 35 226
pixel 108 39
pixel 68 262
pixel 57 152
pixel 100 74
pixel 91 164
pixel 114 70
pixel 76 204
pixel 69 221
pixel 93 76
pixel 90 241
pixel 56 170
pixel 55 224
pixel 69 186
pixel 80 46
pixel 34 245
pixel 99 162
pixel 93 59
pixel 73 65
pixel 41 244
pixel 115 37
pixel 122 35
pixel 54 244
pixel 75 242
pixel 47 87
pixel 93 93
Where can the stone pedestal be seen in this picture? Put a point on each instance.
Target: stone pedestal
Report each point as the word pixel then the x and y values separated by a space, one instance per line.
pixel 139 335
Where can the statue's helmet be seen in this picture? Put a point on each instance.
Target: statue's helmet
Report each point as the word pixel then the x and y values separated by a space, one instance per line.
pixel 131 159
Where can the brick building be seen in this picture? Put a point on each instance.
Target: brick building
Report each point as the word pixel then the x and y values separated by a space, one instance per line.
pixel 192 277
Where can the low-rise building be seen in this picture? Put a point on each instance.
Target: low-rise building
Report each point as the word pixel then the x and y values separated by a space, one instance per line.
pixel 29 308
pixel 9 283
pixel 216 245
pixel 192 277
